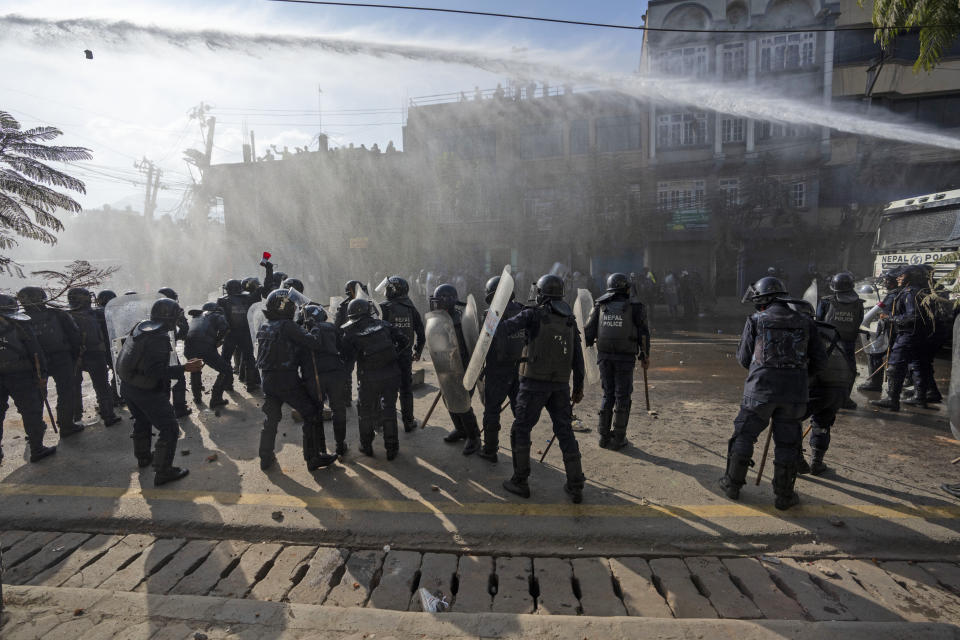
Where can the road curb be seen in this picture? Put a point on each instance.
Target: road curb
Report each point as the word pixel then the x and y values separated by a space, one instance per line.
pixel 32 606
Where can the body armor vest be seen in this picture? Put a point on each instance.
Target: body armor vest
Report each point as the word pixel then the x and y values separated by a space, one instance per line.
pixel 508 348
pixel 50 334
pixel 129 365
pixel 781 341
pixel 374 345
pixel 549 356
pixel 616 332
pixel 90 335
pixel 845 317
pixel 274 351
pixel 399 313
pixel 14 355
pixel 327 358
pixel 235 309
pixel 837 372
pixel 202 330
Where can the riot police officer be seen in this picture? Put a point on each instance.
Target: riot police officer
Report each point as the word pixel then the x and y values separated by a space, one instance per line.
pixel 465 427
pixel 400 311
pixel 619 328
pixel 350 290
pixel 235 306
pixel 144 368
pixel 374 345
pixel 279 353
pixel 501 375
pixel 844 310
pixel 876 356
pixel 59 338
pixel 323 372
pixel 103 298
pixel 780 348
pixel 909 328
pixel 551 355
pixel 828 390
pixel 20 355
pixel 179 388
pixel 206 331
pixel 292 283
pixel 93 356
pixel 940 314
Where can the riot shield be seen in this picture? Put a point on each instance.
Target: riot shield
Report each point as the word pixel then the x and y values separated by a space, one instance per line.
pixel 335 302
pixel 374 307
pixel 445 354
pixel 255 320
pixel 478 356
pixel 122 315
pixel 953 400
pixel 812 294
pixel 382 287
pixel 470 323
pixel 581 311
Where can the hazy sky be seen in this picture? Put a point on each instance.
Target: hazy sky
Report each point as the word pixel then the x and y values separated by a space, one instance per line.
pixel 132 100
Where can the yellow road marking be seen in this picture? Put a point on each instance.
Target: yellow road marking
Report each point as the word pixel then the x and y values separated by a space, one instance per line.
pixel 702 511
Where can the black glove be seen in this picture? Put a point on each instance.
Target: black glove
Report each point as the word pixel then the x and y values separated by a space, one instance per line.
pixel 577 396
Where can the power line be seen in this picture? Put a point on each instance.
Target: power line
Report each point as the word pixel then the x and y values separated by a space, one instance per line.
pixel 605 25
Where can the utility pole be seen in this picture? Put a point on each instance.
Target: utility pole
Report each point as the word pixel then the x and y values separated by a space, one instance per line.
pixel 153 173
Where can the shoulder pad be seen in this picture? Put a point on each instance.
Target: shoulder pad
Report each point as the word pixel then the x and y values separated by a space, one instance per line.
pixel 604 298
pixel 148 327
pixel 561 308
pixel 16 315
pixel 373 328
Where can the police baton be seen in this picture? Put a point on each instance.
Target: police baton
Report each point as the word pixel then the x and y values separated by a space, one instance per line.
pixel 763 460
pixel 432 407
pixel 43 392
pixel 646 386
pixel 550 444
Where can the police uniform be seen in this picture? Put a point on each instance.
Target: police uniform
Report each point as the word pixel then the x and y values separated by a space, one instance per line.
pixel 402 314
pixel 619 329
pixel 19 355
pixel 374 344
pixel 464 424
pixel 551 354
pixel 178 390
pixel 143 366
pixel 339 319
pixel 828 388
pixel 501 378
pixel 908 327
pixel 59 338
pixel 844 311
pixel 323 374
pixel 235 307
pixel 204 333
pixel 280 350
pixel 93 360
pixel 780 348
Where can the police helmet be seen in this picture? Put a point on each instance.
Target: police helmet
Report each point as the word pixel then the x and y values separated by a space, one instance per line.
pixel 232 287
pixel 32 296
pixel 444 297
pixel 491 288
pixel 167 292
pixel 314 314
pixel 104 297
pixel 351 288
pixel 397 287
pixel 211 307
pixel 842 282
pixel 358 308
pixel 166 311
pixel 549 287
pixel 250 285
pixel 915 275
pixel 280 305
pixel 618 282
pixel 130 293
pixel 279 277
pixel 767 289
pixel 9 308
pixel 293 283
pixel 79 298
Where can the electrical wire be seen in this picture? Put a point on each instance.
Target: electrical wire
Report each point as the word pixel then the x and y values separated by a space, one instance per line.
pixel 604 25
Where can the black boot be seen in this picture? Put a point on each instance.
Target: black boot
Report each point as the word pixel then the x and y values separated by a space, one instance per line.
pixel 575 479
pixel 784 477
pixel 342 448
pixel 406 413
pixel 919 397
pixel 892 401
pixel 802 467
pixel 603 427
pixel 817 467
pixel 736 475
pixel 468 423
pixel 112 419
pixel 491 441
pixel 70 428
pixel 163 468
pixel 454 436
pixel 267 456
pixel 620 420
pixel 141 450
pixel 521 471
pixel 41 452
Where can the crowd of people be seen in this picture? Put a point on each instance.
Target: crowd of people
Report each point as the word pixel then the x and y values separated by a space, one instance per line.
pixel 800 358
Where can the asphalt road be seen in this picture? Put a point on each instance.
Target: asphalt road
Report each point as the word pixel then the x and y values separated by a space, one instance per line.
pixel 657 497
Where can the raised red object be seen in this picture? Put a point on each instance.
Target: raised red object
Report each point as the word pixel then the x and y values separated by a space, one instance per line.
pixel 266 255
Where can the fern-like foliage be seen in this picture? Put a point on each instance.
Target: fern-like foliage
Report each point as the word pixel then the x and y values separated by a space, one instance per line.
pixel 938 22
pixel 29 198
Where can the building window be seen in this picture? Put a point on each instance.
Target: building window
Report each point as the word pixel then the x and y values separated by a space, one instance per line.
pixel 541 140
pixel 788 51
pixel 468 143
pixel 681 129
pixel 798 195
pixel 732 129
pixel 579 136
pixel 766 130
pixel 618 133
pixel 684 61
pixel 734 60
pixel 729 191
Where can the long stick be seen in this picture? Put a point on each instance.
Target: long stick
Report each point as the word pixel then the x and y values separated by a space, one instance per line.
pixel 505 405
pixel 432 407
pixel 646 388
pixel 549 444
pixel 763 460
pixel 43 392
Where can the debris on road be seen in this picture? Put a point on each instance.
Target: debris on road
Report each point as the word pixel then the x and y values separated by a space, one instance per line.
pixel 212 457
pixel 433 603
pixel 277 515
